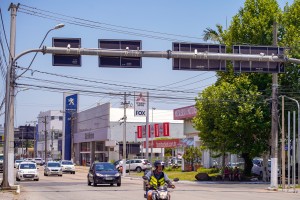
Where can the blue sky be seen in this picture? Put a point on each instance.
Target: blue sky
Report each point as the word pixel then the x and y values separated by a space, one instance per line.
pixel 187 18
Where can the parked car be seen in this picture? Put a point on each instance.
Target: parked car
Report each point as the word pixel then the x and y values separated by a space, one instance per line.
pixel 53 168
pixel 257 167
pixel 17 162
pixel 103 173
pixel 27 171
pixel 68 166
pixel 138 165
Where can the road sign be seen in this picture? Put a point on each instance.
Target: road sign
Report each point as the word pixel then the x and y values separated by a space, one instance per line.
pixel 66 59
pixel 123 61
pixel 258 66
pixel 199 64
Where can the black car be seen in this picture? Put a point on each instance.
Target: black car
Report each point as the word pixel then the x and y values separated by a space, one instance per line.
pixel 103 173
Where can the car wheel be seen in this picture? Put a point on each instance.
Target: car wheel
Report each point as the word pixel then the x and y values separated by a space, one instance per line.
pixel 88 182
pixel 261 174
pixel 45 174
pixel 138 169
pixel 17 179
pixel 36 179
pixel 111 184
pixel 60 175
pixel 118 184
pixel 73 172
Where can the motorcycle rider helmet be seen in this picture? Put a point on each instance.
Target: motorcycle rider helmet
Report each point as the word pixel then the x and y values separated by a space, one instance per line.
pixel 158 163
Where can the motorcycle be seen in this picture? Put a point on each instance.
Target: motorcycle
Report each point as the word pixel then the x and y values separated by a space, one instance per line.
pixel 161 193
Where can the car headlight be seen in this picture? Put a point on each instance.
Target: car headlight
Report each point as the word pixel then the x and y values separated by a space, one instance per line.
pixel 98 174
pixel 21 171
pixel 117 174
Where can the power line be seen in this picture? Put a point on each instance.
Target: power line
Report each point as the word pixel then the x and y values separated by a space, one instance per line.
pixel 101 24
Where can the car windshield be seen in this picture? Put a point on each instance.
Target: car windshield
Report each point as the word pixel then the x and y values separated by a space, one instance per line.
pixel 104 167
pixel 53 165
pixel 66 163
pixel 27 166
pixel 18 161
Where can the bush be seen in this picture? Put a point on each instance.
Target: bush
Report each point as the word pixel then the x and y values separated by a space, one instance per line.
pixel 208 170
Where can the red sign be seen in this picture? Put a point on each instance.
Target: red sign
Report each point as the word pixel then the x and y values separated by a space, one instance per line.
pixel 163 143
pixel 184 113
pixel 166 129
pixel 157 130
pixel 139 132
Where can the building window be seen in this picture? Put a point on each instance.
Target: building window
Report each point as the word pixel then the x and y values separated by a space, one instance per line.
pixel 100 146
pixel 60 118
pixel 85 146
pixel 52 117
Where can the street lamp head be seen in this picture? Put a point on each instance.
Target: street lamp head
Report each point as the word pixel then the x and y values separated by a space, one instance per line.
pixel 59 26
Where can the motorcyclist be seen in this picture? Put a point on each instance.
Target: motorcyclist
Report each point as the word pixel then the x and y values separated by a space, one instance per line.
pixel 156 178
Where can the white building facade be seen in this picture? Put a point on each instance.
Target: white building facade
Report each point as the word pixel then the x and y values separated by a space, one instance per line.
pixel 50 133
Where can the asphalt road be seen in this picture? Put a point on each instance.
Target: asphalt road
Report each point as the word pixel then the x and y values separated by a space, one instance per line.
pixel 75 187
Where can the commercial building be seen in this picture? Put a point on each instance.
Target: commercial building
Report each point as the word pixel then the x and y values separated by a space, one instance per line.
pixel 98 132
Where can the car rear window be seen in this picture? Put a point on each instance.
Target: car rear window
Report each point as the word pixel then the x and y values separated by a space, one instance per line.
pixel 66 163
pixel 53 165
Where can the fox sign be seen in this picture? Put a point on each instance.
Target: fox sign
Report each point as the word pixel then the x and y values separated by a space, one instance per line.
pixel 140 104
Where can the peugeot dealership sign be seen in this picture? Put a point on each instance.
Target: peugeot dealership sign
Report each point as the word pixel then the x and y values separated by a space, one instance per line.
pixel 140 104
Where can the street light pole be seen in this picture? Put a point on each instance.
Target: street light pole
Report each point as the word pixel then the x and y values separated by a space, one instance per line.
pixel 8 176
pixel 8 173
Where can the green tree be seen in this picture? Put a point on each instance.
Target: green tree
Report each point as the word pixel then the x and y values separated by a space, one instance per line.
pixel 229 116
pixel 245 120
pixel 192 155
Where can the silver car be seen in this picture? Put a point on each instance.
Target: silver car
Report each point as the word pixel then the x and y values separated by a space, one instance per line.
pixel 138 165
pixel 53 168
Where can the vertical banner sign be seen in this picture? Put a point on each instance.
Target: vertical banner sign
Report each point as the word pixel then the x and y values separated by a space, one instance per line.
pixel 156 130
pixel 70 109
pixel 139 132
pixel 140 104
pixel 166 129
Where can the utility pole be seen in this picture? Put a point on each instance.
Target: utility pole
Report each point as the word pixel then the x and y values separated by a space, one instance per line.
pixel 34 142
pixel 125 103
pixel 8 173
pixel 147 128
pixel 274 137
pixel 45 131
pixel 152 136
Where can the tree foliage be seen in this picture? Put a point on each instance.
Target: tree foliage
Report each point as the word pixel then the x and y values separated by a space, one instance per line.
pixel 192 155
pixel 233 115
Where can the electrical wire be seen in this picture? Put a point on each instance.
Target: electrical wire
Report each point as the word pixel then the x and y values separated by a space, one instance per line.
pixel 99 24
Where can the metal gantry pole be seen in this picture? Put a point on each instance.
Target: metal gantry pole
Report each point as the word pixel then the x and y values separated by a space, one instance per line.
pixel 283 146
pixel 289 148
pixel 294 150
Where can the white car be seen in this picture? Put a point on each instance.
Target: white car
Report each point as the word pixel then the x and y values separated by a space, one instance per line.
pixel 17 162
pixel 27 171
pixel 68 166
pixel 52 168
